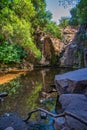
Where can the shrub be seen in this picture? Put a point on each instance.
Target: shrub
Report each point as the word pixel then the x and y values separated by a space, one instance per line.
pixel 11 53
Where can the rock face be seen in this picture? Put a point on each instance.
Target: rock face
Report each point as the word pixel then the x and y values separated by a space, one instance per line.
pixel 72 82
pixel 69 58
pixel 49 46
pixel 75 104
pixel 49 52
pixel 76 51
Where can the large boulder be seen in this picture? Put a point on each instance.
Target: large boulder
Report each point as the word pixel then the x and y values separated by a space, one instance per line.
pixel 72 82
pixel 75 104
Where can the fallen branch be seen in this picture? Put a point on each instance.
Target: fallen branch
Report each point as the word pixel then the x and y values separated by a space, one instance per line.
pixel 56 116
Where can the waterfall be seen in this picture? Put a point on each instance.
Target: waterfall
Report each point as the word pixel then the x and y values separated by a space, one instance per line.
pixel 42 49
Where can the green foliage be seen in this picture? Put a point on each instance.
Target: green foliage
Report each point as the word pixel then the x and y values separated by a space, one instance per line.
pixel 82 11
pixel 64 22
pixel 16 25
pixel 79 13
pixel 74 17
pixel 11 87
pixel 19 20
pixel 42 15
pixel 53 29
pixel 11 53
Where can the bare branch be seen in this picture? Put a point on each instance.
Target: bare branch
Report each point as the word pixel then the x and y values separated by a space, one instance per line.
pixel 56 116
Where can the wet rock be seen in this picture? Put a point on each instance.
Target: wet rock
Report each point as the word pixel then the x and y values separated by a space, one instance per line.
pixel 59 123
pixel 9 121
pixel 43 115
pixel 66 128
pixel 72 82
pixel 75 104
pixel 4 94
pixel 9 128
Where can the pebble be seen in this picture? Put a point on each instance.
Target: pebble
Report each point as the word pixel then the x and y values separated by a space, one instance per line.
pixel 9 128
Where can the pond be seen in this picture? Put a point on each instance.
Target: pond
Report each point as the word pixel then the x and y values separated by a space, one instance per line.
pixel 29 91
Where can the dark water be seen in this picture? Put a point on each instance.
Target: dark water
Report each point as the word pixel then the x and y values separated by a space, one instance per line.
pixel 28 92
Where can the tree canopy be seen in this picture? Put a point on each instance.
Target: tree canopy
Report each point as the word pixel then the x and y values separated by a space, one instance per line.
pixel 79 13
pixel 15 24
pixel 19 20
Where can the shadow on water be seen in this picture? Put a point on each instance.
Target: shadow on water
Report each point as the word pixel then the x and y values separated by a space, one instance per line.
pixel 29 91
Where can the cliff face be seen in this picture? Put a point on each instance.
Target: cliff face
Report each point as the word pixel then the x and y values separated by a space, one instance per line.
pixel 72 47
pixel 76 51
pixel 49 46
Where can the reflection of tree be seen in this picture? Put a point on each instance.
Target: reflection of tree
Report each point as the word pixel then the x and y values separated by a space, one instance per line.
pixel 32 100
pixel 11 87
pixel 34 95
pixel 43 72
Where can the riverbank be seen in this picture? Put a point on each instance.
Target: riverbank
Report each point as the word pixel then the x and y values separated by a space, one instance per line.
pixel 10 72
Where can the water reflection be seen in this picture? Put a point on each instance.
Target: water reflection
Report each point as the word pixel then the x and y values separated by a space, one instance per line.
pixel 28 92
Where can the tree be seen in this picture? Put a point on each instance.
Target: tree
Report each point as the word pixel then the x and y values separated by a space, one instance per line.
pixel 64 22
pixel 78 13
pixel 15 24
pixel 82 11
pixel 66 3
pixel 74 17
pixel 53 29
pixel 42 15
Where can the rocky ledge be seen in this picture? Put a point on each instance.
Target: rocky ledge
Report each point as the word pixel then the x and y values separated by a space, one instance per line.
pixel 75 104
pixel 72 88
pixel 72 82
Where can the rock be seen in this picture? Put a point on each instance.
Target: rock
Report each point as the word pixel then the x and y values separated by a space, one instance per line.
pixel 4 94
pixel 59 123
pixel 75 104
pixel 43 115
pixel 72 82
pixel 75 56
pixel 66 128
pixel 9 128
pixel 68 58
pixel 11 120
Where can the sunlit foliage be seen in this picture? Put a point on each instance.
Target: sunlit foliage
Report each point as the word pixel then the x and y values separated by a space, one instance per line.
pixel 64 22
pixel 53 29
pixel 19 20
pixel 15 24
pixel 11 53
